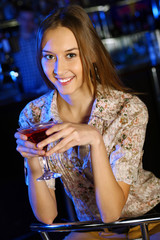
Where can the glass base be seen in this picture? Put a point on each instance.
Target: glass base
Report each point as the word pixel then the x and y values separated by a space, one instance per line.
pixel 48 175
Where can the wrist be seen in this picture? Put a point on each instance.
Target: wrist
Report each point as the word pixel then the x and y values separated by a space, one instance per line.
pixel 33 165
pixel 97 140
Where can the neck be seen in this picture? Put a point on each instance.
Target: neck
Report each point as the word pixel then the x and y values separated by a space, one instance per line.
pixel 75 108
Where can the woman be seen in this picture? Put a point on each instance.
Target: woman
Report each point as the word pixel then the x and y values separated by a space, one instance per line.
pixel 100 127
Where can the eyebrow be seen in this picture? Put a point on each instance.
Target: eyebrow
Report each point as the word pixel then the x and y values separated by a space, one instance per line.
pixel 68 50
pixel 71 49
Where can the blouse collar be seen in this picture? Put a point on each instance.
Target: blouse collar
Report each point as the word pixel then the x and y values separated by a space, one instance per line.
pixel 105 106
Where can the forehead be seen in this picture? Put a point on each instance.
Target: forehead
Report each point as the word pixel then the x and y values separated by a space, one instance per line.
pixel 61 38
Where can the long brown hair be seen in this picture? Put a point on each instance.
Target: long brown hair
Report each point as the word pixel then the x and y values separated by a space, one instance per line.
pixel 96 61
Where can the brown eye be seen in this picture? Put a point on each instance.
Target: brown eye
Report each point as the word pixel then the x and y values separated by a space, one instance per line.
pixel 71 55
pixel 48 56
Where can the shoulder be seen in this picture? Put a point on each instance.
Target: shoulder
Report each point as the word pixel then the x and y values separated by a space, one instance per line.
pixel 116 102
pixel 37 110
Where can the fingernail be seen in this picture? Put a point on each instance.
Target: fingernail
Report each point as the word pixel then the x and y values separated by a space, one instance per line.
pixel 47 132
pixel 39 145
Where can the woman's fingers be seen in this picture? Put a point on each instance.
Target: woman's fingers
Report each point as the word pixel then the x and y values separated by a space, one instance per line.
pixel 70 135
pixel 70 141
pixel 25 143
pixel 60 148
pixel 56 135
pixel 48 140
pixel 27 148
pixel 21 136
pixel 23 150
pixel 57 127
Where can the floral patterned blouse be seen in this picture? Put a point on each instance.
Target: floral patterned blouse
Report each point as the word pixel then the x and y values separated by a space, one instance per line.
pixel 121 118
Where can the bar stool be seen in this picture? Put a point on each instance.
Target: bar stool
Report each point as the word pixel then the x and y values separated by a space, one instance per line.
pixel 142 221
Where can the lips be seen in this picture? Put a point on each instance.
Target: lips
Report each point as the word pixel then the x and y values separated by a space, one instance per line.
pixel 64 81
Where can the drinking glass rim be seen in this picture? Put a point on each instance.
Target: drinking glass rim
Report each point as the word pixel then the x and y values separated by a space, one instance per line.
pixel 36 126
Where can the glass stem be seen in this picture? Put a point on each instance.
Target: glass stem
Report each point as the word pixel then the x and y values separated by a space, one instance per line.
pixel 46 164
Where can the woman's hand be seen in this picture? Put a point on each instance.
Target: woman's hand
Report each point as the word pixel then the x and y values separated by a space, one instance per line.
pixel 27 148
pixel 70 134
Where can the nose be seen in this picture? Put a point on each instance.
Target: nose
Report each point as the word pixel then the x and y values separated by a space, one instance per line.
pixel 59 67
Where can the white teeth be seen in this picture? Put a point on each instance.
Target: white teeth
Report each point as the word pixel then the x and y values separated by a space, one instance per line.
pixel 64 80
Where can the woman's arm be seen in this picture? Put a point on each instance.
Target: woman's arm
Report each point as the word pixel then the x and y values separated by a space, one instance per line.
pixel 42 199
pixel 110 194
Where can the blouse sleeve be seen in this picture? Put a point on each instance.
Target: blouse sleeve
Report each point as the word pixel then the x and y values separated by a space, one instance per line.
pixel 127 143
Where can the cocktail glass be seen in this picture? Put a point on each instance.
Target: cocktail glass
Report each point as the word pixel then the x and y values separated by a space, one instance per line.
pixel 36 134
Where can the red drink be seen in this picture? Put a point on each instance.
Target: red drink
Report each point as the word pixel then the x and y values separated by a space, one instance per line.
pixel 36 133
pixel 35 136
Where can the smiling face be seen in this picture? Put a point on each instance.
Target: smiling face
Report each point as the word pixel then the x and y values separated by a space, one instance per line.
pixel 61 60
